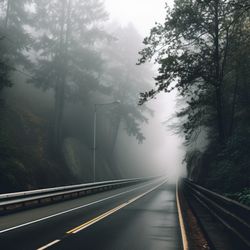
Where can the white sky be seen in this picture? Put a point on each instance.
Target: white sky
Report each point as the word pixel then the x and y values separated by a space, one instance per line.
pixel 142 13
pixel 164 147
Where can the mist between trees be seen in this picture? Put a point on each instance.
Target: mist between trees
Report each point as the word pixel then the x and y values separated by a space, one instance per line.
pixel 203 52
pixel 60 58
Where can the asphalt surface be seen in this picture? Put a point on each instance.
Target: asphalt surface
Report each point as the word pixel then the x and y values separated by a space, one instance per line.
pixel 139 217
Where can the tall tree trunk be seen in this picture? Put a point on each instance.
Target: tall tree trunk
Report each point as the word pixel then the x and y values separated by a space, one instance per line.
pixel 115 129
pixel 231 126
pixel 218 79
pixel 59 105
pixel 60 84
pixel 6 21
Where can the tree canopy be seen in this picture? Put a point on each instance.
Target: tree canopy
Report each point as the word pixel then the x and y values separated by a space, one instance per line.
pixel 14 39
pixel 203 53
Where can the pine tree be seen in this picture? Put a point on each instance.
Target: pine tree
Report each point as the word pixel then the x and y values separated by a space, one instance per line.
pixel 14 39
pixel 67 42
pixel 125 80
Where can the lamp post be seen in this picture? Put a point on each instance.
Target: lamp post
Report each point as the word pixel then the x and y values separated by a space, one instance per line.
pixel 95 118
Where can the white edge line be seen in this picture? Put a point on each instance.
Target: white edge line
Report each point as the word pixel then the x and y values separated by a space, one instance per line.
pixel 48 245
pixel 181 221
pixel 70 210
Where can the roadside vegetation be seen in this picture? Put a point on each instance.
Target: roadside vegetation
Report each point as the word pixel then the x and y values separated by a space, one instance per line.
pixel 59 58
pixel 204 55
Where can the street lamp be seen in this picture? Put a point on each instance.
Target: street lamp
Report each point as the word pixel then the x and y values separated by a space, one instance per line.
pixel 95 116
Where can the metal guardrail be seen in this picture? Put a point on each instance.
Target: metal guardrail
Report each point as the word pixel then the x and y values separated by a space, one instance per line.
pixel 12 202
pixel 233 215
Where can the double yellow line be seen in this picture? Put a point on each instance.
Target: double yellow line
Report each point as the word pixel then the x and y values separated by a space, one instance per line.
pixel 100 217
pixel 108 213
pixel 93 221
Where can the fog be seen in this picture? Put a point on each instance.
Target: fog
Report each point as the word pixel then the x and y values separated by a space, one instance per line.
pixel 165 147
pixel 143 14
pixel 71 110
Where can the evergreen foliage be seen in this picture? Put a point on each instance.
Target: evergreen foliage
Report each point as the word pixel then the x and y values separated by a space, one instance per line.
pixel 14 39
pixel 62 47
pixel 203 52
pixel 68 35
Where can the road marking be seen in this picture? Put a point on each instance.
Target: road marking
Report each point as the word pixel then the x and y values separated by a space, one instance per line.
pixel 71 210
pixel 181 221
pixel 49 245
pixel 108 213
pixel 102 216
pixel 93 221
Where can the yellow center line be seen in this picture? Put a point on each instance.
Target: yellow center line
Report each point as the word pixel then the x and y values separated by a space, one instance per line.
pixel 91 222
pixel 108 213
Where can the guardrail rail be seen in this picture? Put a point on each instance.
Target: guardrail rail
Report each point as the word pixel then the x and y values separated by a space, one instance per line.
pixel 234 216
pixel 13 202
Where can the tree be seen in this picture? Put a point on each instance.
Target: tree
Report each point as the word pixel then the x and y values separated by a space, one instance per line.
pixel 203 52
pixel 67 42
pixel 125 80
pixel 5 68
pixel 192 50
pixel 14 39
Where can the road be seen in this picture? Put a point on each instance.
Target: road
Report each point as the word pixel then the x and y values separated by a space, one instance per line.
pixel 138 217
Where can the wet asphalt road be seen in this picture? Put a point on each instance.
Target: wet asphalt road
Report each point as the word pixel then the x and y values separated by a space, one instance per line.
pixel 148 223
